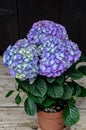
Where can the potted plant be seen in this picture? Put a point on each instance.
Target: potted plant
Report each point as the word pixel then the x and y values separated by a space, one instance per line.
pixel 45 68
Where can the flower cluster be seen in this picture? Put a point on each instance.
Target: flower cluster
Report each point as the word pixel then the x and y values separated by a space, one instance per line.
pixel 57 56
pixel 22 60
pixel 41 29
pixel 46 51
pixel 57 52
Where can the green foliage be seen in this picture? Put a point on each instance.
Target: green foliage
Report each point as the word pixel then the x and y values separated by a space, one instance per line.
pixel 30 107
pixel 10 93
pixel 60 79
pixel 48 102
pixel 82 58
pixel 46 92
pixel 37 99
pixel 18 81
pixel 23 85
pixel 18 99
pixel 50 79
pixel 71 115
pixel 71 102
pixel 83 92
pixel 38 88
pixel 77 90
pixel 75 74
pixel 67 92
pixel 55 90
pixel 82 69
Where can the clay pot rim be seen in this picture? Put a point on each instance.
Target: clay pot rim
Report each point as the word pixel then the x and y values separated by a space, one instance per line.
pixel 50 115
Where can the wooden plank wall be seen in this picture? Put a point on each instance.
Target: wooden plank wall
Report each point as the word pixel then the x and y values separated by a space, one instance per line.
pixel 13 117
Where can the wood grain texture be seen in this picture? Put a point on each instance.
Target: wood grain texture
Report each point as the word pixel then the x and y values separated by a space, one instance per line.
pixel 8 83
pixel 13 117
pixel 3 69
pixel 17 118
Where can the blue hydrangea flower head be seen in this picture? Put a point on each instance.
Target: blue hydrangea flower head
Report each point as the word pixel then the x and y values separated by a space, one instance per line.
pixel 21 59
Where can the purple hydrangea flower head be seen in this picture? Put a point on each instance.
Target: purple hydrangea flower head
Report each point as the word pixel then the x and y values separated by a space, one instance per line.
pixel 57 53
pixel 21 59
pixel 56 58
pixel 41 29
pixel 47 51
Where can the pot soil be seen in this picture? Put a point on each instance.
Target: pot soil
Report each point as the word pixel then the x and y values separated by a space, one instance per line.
pixel 50 121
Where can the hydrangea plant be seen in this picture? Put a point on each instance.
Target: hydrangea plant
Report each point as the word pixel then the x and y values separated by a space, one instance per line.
pixel 45 68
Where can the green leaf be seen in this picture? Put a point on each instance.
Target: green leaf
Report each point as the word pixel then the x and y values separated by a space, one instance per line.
pixel 37 99
pixel 60 79
pixel 71 115
pixel 48 102
pixel 75 74
pixel 82 58
pixel 82 69
pixel 71 84
pixel 50 79
pixel 18 99
pixel 67 92
pixel 83 92
pixel 38 88
pixel 77 90
pixel 30 107
pixel 55 90
pixel 9 93
pixel 71 102
pixel 18 81
pixel 23 85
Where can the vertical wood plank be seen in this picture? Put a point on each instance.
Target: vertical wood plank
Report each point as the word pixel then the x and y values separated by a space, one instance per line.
pixel 31 11
pixel 8 23
pixel 73 17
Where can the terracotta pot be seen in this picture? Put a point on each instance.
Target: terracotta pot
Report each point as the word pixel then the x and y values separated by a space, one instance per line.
pixel 50 121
